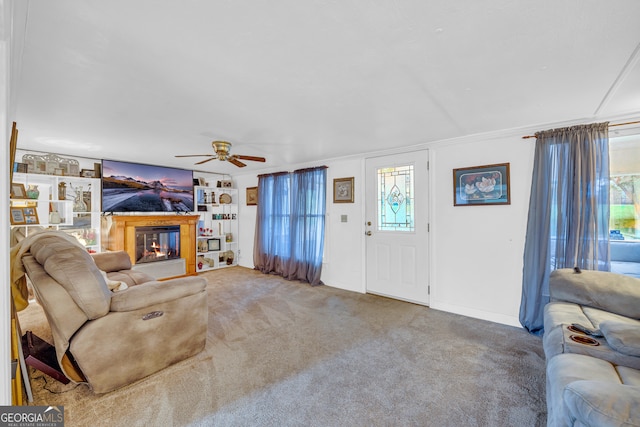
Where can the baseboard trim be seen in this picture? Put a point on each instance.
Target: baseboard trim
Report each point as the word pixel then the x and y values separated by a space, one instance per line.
pixel 476 314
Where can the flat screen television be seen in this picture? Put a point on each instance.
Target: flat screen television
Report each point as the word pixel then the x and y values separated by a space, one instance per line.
pixel 135 187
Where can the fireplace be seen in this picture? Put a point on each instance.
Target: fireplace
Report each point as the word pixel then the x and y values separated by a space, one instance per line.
pixel 157 243
pixel 119 234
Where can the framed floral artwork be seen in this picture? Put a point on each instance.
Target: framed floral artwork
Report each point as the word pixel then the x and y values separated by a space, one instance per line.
pixel 343 190
pixel 482 185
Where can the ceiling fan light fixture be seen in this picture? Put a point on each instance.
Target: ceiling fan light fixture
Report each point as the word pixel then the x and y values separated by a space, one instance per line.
pixel 222 152
pixel 222 149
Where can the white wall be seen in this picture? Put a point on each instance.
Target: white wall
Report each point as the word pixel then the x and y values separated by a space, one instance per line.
pixel 5 135
pixel 476 251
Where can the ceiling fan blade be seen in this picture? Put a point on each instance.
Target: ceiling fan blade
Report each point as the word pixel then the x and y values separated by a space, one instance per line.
pixel 196 155
pixel 205 161
pixel 236 161
pixel 252 158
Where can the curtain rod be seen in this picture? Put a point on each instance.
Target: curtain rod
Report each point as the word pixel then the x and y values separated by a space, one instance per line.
pixel 617 124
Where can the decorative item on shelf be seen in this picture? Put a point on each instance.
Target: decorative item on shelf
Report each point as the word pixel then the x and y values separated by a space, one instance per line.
pixel 78 204
pixel 32 191
pixel 86 197
pixel 51 164
pixel 229 238
pixel 54 215
pixel 205 232
pixel 89 237
pixel 229 257
pixel 62 190
pixel 202 246
pixel 225 198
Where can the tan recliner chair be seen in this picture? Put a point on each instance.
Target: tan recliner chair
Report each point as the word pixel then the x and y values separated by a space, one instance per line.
pixel 110 339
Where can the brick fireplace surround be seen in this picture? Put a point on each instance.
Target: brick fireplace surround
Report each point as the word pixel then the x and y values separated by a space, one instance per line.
pixel 119 233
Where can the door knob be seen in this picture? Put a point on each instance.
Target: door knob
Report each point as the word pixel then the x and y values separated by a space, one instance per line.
pixel 367 233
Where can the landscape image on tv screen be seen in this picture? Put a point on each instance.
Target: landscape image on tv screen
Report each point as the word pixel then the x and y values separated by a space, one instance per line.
pixel 133 187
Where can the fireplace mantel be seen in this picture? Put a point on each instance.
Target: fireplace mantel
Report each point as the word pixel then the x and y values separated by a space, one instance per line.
pixel 121 234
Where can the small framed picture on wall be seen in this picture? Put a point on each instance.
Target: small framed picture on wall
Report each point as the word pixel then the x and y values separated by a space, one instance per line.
pixel 343 190
pixel 252 196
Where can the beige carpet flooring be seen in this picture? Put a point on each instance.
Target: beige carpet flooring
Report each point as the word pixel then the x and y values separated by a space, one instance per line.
pixel 283 353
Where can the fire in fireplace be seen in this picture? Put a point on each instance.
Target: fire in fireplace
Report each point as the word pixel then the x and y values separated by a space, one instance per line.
pixel 157 243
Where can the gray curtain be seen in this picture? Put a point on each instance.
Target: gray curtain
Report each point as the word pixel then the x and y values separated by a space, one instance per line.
pixel 568 224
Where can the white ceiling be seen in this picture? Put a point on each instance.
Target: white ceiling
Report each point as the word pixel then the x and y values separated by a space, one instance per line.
pixel 296 81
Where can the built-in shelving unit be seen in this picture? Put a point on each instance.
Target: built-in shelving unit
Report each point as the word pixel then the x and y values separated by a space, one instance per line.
pixel 67 203
pixel 217 232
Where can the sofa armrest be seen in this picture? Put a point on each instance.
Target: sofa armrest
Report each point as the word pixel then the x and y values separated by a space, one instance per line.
pixel 156 292
pixel 599 289
pixel 602 403
pixel 112 261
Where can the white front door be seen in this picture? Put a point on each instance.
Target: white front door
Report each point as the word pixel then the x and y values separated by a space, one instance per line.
pixel 396 226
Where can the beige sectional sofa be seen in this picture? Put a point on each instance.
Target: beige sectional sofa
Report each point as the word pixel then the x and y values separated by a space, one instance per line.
pixel 592 380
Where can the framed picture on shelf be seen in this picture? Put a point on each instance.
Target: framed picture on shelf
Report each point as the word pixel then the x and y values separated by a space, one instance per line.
pixel 343 190
pixel 482 185
pixel 17 216
pixel 88 173
pixel 214 244
pixel 30 216
pixel 18 191
pixel 252 196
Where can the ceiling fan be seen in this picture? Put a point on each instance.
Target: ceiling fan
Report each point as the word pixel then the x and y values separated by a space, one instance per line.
pixel 222 149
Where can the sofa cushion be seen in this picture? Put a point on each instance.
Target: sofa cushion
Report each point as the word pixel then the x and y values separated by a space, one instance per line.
pixel 130 277
pixel 112 261
pixel 624 251
pixel 73 268
pixel 602 403
pixel 600 289
pixel 627 268
pixel 622 336
pixel 563 370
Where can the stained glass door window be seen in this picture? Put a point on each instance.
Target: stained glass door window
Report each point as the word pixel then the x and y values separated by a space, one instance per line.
pixel 395 199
